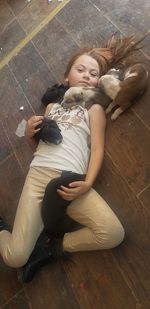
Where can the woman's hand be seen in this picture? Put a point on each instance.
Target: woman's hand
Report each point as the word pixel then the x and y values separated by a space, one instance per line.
pixel 75 189
pixel 32 123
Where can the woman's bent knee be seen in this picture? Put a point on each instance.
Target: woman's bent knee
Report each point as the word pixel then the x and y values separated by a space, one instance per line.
pixel 110 238
pixel 118 235
pixel 15 259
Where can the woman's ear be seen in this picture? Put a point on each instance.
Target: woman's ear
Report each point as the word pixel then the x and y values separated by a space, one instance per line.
pixel 66 82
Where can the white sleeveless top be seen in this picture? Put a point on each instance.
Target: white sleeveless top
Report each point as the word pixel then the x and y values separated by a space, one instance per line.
pixel 72 154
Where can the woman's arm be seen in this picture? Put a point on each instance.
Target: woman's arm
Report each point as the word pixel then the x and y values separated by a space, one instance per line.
pixel 30 129
pixel 97 128
pixel 48 109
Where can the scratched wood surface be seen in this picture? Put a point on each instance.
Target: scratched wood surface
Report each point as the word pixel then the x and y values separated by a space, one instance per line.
pixel 118 278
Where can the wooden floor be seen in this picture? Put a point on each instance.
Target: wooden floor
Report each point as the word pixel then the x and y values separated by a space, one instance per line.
pixel 113 279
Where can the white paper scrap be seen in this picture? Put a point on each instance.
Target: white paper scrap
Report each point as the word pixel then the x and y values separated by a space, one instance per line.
pixel 21 128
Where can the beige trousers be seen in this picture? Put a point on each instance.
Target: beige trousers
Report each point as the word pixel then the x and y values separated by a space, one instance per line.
pixel 102 228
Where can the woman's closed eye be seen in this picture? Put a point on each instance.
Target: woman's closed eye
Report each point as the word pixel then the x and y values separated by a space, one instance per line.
pixel 80 70
pixel 94 74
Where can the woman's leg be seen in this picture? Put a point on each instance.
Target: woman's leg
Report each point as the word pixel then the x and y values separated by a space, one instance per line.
pixel 102 228
pixel 103 231
pixel 16 248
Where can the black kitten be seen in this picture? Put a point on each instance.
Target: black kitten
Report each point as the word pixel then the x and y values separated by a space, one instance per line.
pixel 49 132
pixel 54 94
pixel 55 218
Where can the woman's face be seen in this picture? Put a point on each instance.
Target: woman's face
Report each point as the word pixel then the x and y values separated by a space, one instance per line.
pixel 84 72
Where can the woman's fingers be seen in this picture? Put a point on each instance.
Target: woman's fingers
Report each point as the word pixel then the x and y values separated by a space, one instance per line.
pixel 69 193
pixel 37 130
pixel 68 190
pixel 76 184
pixel 35 124
pixel 75 189
pixel 64 195
pixel 37 118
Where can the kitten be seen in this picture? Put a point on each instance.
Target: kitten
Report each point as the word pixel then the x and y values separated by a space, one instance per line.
pixel 53 211
pixel 49 132
pixel 85 97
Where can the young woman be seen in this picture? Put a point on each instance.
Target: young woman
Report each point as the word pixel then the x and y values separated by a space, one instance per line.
pixel 81 151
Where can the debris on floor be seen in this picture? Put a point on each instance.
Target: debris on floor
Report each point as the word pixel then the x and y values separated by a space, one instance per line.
pixel 21 128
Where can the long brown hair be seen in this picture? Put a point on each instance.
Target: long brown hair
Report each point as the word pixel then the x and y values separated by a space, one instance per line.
pixel 115 52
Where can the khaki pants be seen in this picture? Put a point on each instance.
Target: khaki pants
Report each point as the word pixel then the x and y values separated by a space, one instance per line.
pixel 102 228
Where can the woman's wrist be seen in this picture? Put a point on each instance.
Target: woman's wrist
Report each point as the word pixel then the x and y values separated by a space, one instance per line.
pixel 28 134
pixel 31 141
pixel 88 184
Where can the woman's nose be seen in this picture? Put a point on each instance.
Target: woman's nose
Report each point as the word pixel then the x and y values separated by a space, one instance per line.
pixel 86 75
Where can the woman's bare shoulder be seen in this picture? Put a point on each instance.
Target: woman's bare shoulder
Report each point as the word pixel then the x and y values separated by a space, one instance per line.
pixel 97 110
pixel 48 109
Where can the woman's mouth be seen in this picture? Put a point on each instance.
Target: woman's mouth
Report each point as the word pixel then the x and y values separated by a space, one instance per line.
pixel 83 83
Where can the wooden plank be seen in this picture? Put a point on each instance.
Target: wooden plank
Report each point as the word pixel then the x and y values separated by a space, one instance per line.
pixel 133 255
pixel 22 151
pixel 12 99
pixel 141 104
pixel 6 15
pixel 11 183
pixel 34 77
pixel 87 32
pixel 52 289
pixel 19 301
pixel 10 37
pixel 128 144
pixel 127 16
pixel 55 40
pixel 131 262
pixel 144 197
pixel 35 11
pixel 17 5
pixel 98 283
pixel 15 50
pixel 110 5
pixel 12 96
pixel 9 285
pixel 5 146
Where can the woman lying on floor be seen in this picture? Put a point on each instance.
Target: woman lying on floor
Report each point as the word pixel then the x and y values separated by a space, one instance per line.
pixel 81 151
